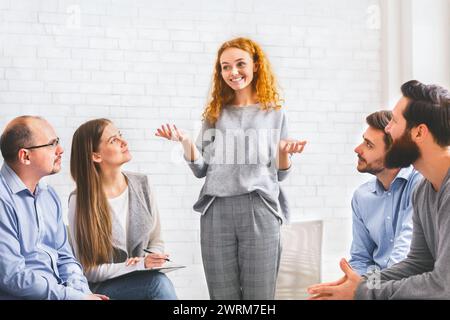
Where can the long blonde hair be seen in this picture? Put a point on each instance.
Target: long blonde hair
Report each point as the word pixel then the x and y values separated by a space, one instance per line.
pixel 93 225
pixel 264 82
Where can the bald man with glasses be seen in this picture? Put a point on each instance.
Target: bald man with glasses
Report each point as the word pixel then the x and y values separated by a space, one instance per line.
pixel 36 260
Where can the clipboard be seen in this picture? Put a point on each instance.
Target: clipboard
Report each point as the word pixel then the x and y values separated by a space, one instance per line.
pixel 167 267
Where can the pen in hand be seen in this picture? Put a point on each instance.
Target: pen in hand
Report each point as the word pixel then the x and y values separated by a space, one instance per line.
pixel 148 251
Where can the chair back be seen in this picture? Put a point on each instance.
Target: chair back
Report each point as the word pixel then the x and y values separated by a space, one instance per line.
pixel 301 256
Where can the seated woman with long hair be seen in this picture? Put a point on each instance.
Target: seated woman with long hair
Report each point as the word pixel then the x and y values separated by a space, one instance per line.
pixel 113 217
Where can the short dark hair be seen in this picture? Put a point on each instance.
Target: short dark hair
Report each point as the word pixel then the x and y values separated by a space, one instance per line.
pixel 379 120
pixel 16 136
pixel 429 105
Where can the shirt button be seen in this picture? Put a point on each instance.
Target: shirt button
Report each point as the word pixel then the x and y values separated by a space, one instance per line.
pixel 391 240
pixel 389 193
pixel 389 218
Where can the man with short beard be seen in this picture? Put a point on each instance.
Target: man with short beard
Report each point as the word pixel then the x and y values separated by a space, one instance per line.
pixel 420 129
pixel 36 261
pixel 382 207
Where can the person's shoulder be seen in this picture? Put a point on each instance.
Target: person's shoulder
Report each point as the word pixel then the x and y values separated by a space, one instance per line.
pixel 420 191
pixel 52 192
pixel 273 115
pixel 447 181
pixel 135 175
pixel 6 196
pixel 73 196
pixel 5 200
pixel 136 178
pixel 365 188
pixel 415 176
pixel 280 110
pixel 446 187
pixel 422 184
pixel 4 190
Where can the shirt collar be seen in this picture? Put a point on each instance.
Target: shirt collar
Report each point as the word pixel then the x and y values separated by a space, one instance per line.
pixel 404 173
pixel 15 183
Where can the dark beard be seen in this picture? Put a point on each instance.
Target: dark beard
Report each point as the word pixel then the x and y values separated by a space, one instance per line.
pixel 402 153
pixel 370 170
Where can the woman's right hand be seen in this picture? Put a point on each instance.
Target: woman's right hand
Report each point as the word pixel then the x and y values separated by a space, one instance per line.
pixel 171 133
pixel 153 260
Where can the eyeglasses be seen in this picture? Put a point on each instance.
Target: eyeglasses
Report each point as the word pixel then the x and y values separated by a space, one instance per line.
pixel 54 143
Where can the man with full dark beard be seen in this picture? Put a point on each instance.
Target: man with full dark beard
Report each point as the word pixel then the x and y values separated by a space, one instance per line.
pixel 382 207
pixel 420 129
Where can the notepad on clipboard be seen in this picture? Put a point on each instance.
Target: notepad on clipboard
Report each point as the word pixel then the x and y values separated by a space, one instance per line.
pixel 167 267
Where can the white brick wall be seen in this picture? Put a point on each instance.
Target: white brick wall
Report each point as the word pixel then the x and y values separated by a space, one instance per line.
pixel 144 63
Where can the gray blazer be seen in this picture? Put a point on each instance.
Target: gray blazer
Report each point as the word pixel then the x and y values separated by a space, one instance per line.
pixel 144 228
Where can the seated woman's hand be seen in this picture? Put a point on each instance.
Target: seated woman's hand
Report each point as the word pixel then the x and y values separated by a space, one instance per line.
pixel 153 260
pixel 132 261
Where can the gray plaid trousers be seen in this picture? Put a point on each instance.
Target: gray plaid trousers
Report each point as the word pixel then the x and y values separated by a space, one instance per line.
pixel 241 248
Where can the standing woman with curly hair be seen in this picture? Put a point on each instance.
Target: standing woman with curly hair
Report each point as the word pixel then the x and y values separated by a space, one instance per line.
pixel 243 151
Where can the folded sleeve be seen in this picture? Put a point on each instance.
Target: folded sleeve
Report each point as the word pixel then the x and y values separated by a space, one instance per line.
pixel 419 276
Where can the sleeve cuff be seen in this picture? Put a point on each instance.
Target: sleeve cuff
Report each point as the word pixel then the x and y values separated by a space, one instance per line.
pixel 197 166
pixel 283 173
pixel 362 292
pixel 72 294
pixel 198 161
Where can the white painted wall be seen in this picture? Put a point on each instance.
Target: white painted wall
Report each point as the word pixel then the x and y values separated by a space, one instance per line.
pixel 415 40
pixel 431 41
pixel 143 63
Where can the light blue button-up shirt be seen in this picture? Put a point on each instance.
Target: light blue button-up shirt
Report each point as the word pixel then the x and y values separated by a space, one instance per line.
pixel 382 222
pixel 36 260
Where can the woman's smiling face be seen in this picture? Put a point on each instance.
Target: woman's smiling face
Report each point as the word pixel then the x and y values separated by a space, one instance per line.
pixel 237 68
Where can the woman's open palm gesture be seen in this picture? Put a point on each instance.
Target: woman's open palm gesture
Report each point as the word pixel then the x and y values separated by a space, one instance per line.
pixel 171 133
